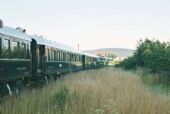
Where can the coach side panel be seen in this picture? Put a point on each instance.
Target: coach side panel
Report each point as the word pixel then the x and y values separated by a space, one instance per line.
pixel 59 61
pixel 15 59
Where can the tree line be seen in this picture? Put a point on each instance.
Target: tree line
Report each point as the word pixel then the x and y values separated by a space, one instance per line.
pixel 150 54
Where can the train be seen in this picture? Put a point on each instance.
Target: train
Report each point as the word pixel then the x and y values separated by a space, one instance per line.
pixel 34 60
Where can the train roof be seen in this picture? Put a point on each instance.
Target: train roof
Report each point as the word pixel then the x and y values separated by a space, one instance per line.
pixel 5 30
pixel 13 32
pixel 43 41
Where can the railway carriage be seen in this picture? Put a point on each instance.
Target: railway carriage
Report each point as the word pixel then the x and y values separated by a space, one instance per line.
pixel 29 60
pixel 54 59
pixel 103 61
pixel 89 61
pixel 15 56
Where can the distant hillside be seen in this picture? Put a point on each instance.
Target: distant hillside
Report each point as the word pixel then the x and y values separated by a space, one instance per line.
pixel 119 52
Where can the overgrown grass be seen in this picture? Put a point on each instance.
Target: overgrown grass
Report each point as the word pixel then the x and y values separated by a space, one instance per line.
pixel 156 82
pixel 104 91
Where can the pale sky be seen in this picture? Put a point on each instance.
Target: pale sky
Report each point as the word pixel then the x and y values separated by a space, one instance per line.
pixel 90 23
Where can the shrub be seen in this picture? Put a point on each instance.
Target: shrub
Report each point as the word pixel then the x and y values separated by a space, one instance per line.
pixel 61 97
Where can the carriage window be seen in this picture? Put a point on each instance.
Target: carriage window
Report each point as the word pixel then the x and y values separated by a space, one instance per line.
pixel 49 57
pixel 64 56
pixel 70 55
pixel 61 56
pixel 87 59
pixel 71 58
pixel 55 55
pixel 58 55
pixel 74 59
pixel 77 57
pixel 6 48
pixel 80 58
pixel 14 49
pixel 28 51
pixel 67 57
pixel 6 44
pixel 14 46
pixel 52 55
pixel 23 50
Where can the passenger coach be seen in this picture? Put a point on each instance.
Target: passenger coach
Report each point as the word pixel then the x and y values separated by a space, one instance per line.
pixel 33 60
pixel 15 57
pixel 54 59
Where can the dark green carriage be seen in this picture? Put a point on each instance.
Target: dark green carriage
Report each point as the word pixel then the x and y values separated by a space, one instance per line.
pixel 54 59
pixel 15 56
pixel 89 61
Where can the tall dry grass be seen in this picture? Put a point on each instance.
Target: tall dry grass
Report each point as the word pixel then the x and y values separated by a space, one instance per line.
pixel 104 91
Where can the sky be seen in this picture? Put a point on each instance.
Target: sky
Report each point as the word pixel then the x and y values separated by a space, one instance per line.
pixel 90 23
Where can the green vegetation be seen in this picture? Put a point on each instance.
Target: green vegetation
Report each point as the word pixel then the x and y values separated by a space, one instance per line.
pixel 103 91
pixel 153 56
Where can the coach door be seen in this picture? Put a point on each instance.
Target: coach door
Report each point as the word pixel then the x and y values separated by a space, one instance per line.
pixel 34 57
pixel 42 57
pixel 83 61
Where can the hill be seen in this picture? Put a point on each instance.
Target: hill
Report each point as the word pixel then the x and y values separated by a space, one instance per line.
pixel 119 52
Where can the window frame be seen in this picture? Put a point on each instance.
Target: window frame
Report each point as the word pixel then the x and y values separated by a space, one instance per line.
pixel 15 53
pixel 23 50
pixel 49 54
pixel 8 49
pixel 52 55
